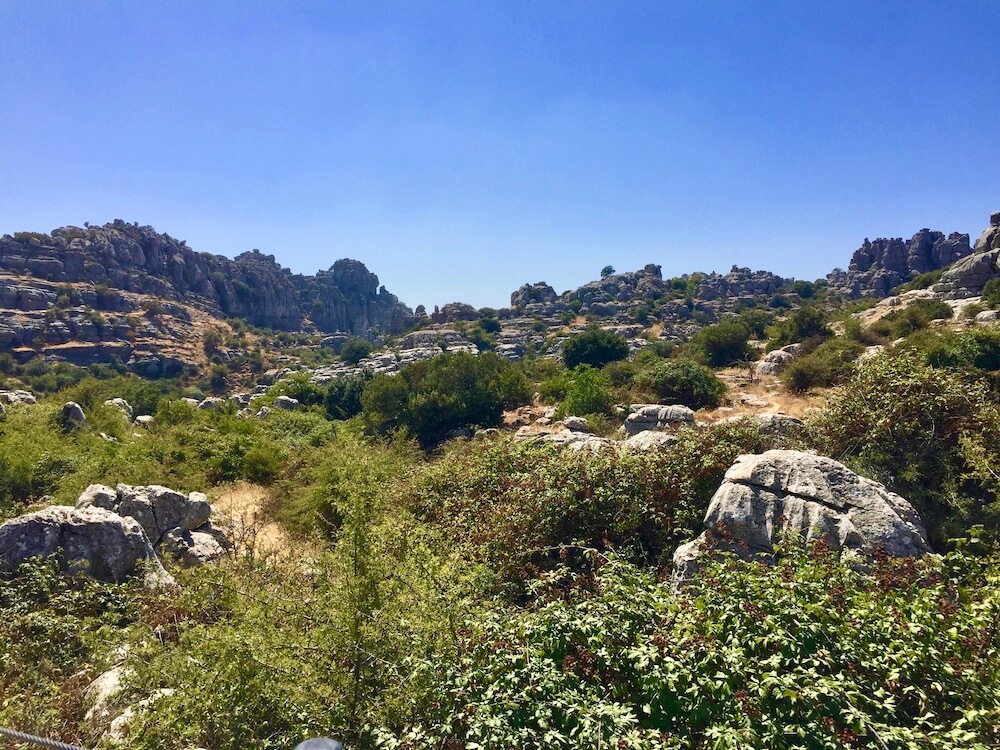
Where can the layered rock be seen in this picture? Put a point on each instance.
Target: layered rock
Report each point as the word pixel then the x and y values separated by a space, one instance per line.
pixel 90 540
pixel 879 266
pixel 767 497
pixel 126 257
pixel 968 276
pixel 657 417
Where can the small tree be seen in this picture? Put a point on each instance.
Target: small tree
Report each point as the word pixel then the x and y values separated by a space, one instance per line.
pixel 607 271
pixel 595 347
pixel 355 350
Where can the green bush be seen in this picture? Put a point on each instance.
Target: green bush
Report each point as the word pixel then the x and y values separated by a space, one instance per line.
pixel 680 381
pixel 588 392
pixel 914 317
pixel 595 347
pixel 826 365
pixel 450 392
pixel 807 654
pixel 355 350
pixel 991 293
pixel 931 434
pixel 343 395
pixel 923 281
pixel 805 323
pixel 723 344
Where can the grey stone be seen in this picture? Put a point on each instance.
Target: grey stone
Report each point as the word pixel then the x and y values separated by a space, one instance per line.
pixel 191 547
pixel 145 421
pixel 576 424
pixel 212 403
pixel 657 417
pixel 767 496
pixel 72 415
pixel 649 440
pixel 286 403
pixel 120 403
pixel 91 540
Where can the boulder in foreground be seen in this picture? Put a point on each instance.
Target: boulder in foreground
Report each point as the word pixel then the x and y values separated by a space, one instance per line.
pixel 768 496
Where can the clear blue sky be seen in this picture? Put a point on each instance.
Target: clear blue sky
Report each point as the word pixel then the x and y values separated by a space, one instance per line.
pixel 460 149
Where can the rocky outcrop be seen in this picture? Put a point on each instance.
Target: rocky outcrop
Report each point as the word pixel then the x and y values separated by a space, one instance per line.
pixel 767 497
pixel 642 417
pixel 968 276
pixel 528 294
pixel 739 283
pixel 121 257
pixel 878 267
pixel 90 540
pixel 777 360
pixel 454 312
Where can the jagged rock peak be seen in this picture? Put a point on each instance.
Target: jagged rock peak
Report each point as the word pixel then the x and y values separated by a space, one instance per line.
pixel 134 258
pixel 879 266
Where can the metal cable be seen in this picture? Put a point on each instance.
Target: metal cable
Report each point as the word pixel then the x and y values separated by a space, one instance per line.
pixel 35 740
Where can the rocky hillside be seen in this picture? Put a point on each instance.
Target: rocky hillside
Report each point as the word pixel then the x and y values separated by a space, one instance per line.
pixel 878 267
pixel 126 257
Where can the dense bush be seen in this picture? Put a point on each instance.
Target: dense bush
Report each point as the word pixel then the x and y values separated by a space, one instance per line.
pixel 805 323
pixel 451 392
pixel 826 365
pixel 588 392
pixel 913 317
pixel 518 502
pixel 680 381
pixel 355 350
pixel 343 395
pixel 991 293
pixel 595 347
pixel 931 434
pixel 723 344
pixel 807 654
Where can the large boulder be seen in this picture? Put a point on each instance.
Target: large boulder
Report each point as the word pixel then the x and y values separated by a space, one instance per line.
pixel 649 440
pixel 72 415
pixel 157 509
pixel 90 540
pixel 657 417
pixel 119 403
pixel 768 496
pixel 775 361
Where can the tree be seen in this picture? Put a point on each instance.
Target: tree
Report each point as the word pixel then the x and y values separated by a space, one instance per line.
pixel 595 347
pixel 725 343
pixel 607 271
pixel 684 382
pixel 355 350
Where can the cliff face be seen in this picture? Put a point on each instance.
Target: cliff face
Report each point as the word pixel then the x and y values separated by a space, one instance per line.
pixel 253 286
pixel 878 267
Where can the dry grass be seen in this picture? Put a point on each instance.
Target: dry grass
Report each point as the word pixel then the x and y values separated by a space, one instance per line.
pixel 241 506
pixel 746 395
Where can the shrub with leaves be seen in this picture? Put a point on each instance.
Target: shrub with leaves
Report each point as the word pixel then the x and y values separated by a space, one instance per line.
pixel 807 654
pixel 595 347
pixel 681 381
pixel 931 434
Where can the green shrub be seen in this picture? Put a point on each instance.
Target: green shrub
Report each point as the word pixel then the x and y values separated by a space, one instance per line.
pixel 588 392
pixel 595 347
pixel 681 381
pixel 724 343
pixel 450 392
pixel 914 317
pixel 355 350
pixel 826 365
pixel 805 323
pixel 806 654
pixel 923 281
pixel 932 434
pixel 991 293
pixel 343 395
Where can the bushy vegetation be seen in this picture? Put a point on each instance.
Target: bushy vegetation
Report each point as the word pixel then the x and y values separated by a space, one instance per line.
pixel 595 347
pixel 496 593
pixel 451 392
pixel 723 344
pixel 826 365
pixel 681 381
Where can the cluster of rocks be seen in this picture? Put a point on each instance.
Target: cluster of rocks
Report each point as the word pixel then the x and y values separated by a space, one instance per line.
pixel 133 258
pixel 878 267
pixel 112 534
pixel 772 496
pixel 968 276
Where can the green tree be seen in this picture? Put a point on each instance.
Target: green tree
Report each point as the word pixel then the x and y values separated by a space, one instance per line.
pixel 595 347
pixel 355 350
pixel 607 271
pixel 724 343
pixel 682 381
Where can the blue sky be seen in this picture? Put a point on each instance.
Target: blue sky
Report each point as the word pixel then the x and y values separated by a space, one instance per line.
pixel 460 149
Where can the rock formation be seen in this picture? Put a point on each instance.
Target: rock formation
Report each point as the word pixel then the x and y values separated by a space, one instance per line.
pixel 878 267
pixel 968 276
pixel 127 257
pixel 766 497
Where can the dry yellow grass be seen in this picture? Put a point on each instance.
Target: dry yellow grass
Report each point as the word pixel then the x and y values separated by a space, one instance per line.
pixel 746 395
pixel 241 510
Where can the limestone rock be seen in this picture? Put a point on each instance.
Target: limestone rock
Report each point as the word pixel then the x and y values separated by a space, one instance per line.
pixel 17 397
pixel 649 440
pixel 775 361
pixel 191 547
pixel 211 403
pixel 122 404
pixel 157 509
pixel 968 277
pixel 657 417
pixel 145 422
pixel 90 540
pixel 767 496
pixel 286 403
pixel 72 415
pixel 576 424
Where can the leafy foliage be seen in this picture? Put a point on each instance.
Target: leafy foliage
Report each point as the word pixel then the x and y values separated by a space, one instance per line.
pixel 355 350
pixel 450 392
pixel 595 347
pixel 680 381
pixel 724 343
